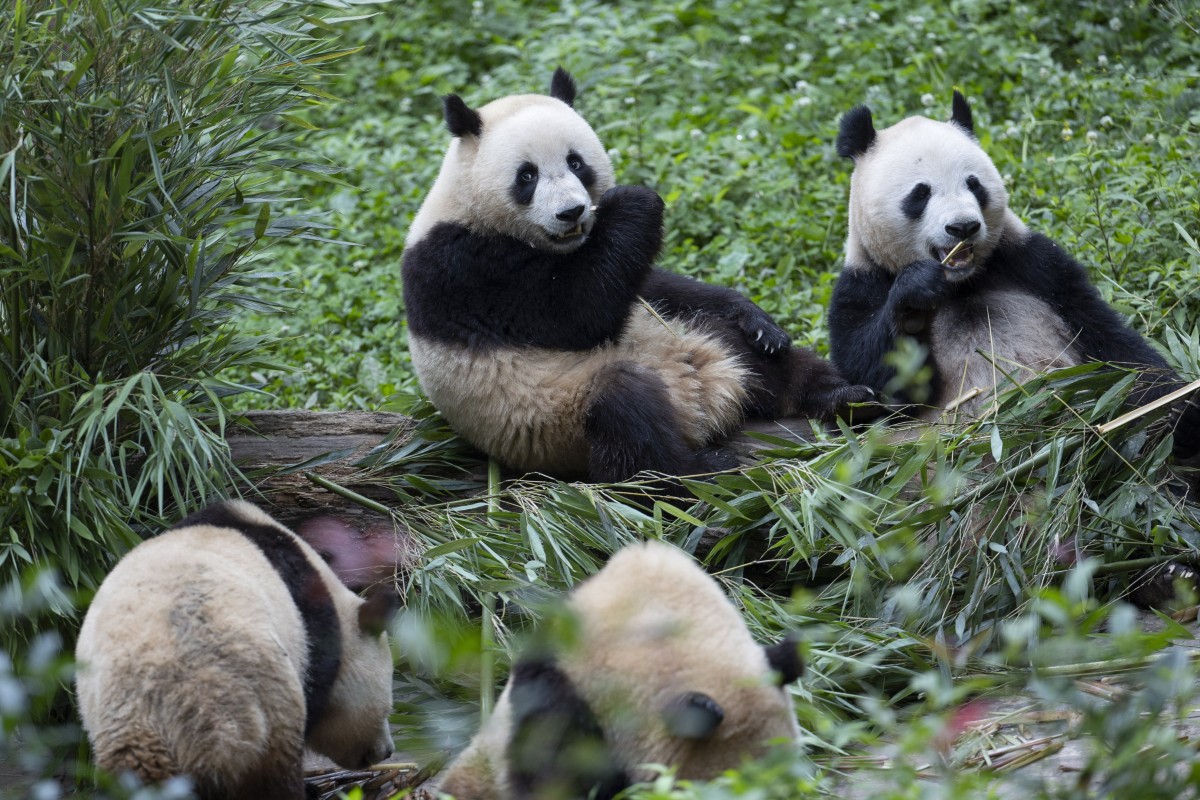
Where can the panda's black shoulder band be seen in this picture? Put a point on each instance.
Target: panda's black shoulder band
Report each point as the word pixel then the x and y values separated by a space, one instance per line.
pixel 308 590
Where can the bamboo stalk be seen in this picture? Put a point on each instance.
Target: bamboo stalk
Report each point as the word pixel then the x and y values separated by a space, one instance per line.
pixel 487 631
pixel 1141 411
pixel 352 496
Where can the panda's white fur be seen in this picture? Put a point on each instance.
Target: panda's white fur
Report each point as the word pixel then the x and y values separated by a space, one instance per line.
pixel 523 271
pixel 653 628
pixel 1009 302
pixel 542 395
pixel 194 653
pixel 472 186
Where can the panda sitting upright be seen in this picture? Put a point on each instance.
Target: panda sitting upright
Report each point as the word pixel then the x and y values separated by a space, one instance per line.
pixel 920 188
pixel 522 275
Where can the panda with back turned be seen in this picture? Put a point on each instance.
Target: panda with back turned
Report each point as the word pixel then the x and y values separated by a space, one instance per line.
pixel 661 669
pixel 220 648
pixel 522 275
pixel 1007 300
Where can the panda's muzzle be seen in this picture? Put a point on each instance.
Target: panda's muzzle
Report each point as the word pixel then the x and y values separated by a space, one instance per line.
pixel 572 214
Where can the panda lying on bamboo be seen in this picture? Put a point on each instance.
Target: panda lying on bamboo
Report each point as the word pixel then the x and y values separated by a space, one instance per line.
pixel 523 273
pixel 661 670
pixel 1007 300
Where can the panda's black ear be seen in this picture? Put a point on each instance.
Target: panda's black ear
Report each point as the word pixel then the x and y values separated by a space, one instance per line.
pixel 856 134
pixel 562 87
pixel 784 657
pixel 460 118
pixel 693 715
pixel 960 113
pixel 378 610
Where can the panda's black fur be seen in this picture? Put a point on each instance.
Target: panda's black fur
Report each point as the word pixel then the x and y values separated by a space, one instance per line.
pixel 1019 281
pixel 525 323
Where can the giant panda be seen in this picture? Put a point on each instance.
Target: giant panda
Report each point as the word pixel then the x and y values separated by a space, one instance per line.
pixel 918 189
pixel 659 669
pixel 220 648
pixel 523 274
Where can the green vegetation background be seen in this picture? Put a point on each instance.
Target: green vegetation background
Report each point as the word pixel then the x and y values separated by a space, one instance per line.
pixel 729 110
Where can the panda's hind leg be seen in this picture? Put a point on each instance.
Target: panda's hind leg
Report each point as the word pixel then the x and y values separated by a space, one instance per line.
pixel 631 426
pixel 798 382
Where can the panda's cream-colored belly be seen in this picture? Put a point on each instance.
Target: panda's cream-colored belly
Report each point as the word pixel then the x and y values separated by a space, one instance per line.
pixel 981 340
pixel 526 406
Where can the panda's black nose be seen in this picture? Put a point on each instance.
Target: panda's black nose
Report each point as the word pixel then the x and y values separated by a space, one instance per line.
pixel 575 212
pixel 963 230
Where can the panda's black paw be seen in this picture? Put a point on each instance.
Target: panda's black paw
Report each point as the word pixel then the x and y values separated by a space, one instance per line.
pixel 920 286
pixel 634 201
pixel 761 332
pixel 855 403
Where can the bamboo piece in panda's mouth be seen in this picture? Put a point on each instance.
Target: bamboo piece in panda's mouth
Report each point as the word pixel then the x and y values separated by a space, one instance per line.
pixel 953 250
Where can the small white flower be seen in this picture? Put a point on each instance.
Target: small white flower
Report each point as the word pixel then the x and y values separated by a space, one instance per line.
pixel 1006 179
pixel 1012 132
pixel 1051 160
pixel 915 20
pixel 1106 121
pixel 1148 138
pixel 753 133
pixel 739 137
pixel 630 101
pixel 1102 60
pixel 1043 73
pixel 745 39
pixel 939 51
pixel 928 99
pixel 1115 24
pixel 1092 136
pixel 790 46
pixel 696 133
pixel 873 16
pixel 804 101
pixel 840 21
pixel 801 86
pixel 1067 133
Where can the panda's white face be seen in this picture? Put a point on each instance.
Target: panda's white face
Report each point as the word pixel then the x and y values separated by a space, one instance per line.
pixel 536 172
pixel 920 189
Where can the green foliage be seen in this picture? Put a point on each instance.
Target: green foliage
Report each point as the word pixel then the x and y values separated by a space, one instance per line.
pixel 730 111
pixel 140 155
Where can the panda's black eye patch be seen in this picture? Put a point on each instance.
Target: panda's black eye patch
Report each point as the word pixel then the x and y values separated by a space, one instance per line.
pixel 524 184
pixel 914 203
pixel 981 194
pixel 581 169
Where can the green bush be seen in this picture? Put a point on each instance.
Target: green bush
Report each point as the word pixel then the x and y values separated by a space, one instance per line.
pixel 141 149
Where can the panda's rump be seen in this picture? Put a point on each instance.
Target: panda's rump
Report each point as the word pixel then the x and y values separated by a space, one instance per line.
pixel 981 339
pixel 526 406
pixel 191 678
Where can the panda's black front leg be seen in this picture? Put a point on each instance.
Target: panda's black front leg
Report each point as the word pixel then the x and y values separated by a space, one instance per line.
pixel 676 295
pixel 624 242
pixel 870 308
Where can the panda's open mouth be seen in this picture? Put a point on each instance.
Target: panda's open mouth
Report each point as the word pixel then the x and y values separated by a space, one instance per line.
pixel 571 234
pixel 959 256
